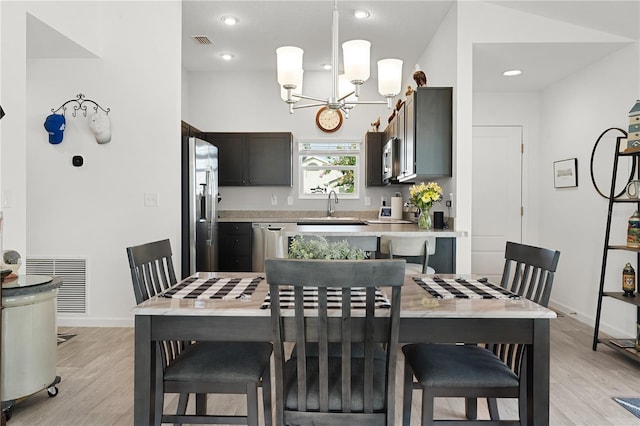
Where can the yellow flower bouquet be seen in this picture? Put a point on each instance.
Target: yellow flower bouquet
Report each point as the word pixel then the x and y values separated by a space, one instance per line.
pixel 423 196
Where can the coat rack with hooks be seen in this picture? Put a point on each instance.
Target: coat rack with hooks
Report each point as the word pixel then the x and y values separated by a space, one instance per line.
pixel 80 105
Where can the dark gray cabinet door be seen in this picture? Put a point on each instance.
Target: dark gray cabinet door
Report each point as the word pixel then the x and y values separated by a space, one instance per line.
pixel 269 159
pixel 232 157
pixel 253 158
pixel 433 118
pixel 373 158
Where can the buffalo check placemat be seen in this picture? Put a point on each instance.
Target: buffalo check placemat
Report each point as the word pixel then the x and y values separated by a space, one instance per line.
pixel 214 288
pixel 459 288
pixel 334 298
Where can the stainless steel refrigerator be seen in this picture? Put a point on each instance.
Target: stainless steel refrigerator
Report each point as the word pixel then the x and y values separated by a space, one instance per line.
pixel 199 206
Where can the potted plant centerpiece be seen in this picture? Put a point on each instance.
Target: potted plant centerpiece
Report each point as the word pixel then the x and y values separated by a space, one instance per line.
pixel 423 196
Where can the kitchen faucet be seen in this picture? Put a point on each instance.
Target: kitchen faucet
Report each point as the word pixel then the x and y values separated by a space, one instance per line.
pixel 330 210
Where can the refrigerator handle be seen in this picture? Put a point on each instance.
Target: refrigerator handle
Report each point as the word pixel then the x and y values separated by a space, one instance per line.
pixel 203 203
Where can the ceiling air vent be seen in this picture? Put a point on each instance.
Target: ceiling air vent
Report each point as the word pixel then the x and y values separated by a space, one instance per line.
pixel 201 39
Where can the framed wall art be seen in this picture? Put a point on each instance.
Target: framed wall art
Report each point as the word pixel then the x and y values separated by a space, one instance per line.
pixel 565 173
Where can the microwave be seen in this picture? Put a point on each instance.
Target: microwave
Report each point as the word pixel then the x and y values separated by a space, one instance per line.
pixel 390 163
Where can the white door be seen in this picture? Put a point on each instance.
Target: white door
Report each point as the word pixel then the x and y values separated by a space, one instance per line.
pixel 496 197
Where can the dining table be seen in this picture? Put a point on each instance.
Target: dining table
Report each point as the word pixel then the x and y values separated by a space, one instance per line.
pixel 242 314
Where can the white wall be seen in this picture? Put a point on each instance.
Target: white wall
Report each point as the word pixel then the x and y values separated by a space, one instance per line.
pixel 97 210
pixel 574 112
pixel 563 122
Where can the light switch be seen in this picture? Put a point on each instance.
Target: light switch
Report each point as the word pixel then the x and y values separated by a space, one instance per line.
pixel 6 199
pixel 367 201
pixel 274 200
pixel 151 199
pixel 290 200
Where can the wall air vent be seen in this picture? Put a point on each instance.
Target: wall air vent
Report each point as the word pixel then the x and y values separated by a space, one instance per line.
pixel 201 39
pixel 72 295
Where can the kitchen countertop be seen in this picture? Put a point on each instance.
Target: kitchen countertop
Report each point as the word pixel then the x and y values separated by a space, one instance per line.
pixel 312 223
pixel 371 230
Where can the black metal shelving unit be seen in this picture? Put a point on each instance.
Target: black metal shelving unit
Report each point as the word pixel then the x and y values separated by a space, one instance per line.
pixel 614 199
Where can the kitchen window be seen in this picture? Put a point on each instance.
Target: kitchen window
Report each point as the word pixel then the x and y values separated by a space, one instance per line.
pixel 329 165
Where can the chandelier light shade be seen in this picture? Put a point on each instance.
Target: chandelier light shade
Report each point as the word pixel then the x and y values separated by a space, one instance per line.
pixel 356 55
pixel 289 66
pixel 389 77
pixel 284 94
pixel 357 68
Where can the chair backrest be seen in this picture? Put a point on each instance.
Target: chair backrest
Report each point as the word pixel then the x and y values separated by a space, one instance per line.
pixel 344 326
pixel 151 269
pixel 528 272
pixel 409 247
pixel 152 272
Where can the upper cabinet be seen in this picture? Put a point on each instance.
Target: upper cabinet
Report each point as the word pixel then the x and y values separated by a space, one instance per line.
pixel 253 159
pixel 373 160
pixel 423 128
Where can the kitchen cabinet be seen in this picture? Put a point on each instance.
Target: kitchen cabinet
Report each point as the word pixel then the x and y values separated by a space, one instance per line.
pixel 373 142
pixel 253 159
pixel 428 134
pixel 234 246
pixel 189 131
pixel 423 127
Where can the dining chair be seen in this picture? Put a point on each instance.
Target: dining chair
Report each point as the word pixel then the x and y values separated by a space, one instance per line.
pixel 420 247
pixel 199 367
pixel 345 317
pixel 481 371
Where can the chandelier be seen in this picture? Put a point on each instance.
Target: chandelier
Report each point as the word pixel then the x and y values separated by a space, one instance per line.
pixel 356 71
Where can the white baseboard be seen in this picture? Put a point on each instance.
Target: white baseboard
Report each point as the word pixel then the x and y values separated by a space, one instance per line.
pixel 65 321
pixel 590 320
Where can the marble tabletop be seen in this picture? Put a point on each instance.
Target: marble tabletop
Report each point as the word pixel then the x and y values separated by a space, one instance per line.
pixel 416 303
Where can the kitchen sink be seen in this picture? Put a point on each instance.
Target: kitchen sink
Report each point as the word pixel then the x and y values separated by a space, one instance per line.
pixel 330 220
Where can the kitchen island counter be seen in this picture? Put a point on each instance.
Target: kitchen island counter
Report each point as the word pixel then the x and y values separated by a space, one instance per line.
pixel 370 230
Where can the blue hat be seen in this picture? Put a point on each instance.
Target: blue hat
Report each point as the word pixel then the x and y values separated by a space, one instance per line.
pixel 54 124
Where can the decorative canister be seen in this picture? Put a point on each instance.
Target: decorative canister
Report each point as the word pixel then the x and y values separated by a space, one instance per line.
pixel 628 280
pixel 633 231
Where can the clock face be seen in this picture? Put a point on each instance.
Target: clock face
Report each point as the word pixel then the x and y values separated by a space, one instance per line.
pixel 328 120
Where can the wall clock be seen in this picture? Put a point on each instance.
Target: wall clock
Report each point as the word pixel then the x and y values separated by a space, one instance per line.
pixel 328 120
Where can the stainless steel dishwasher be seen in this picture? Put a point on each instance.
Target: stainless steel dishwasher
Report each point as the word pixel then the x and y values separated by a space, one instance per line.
pixel 268 240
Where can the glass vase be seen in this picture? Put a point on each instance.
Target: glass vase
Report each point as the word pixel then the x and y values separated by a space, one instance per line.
pixel 424 219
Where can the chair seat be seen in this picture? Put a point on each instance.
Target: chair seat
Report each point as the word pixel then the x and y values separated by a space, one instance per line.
pixel 416 269
pixel 335 383
pixel 457 366
pixel 222 362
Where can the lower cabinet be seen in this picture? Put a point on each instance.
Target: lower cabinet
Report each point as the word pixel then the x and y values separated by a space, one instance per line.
pixel 443 261
pixel 234 246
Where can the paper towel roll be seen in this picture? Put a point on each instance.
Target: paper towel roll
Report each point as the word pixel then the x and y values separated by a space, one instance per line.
pixel 396 207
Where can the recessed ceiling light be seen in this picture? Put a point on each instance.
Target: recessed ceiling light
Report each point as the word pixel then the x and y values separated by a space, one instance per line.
pixel 227 56
pixel 512 73
pixel 229 20
pixel 326 67
pixel 361 13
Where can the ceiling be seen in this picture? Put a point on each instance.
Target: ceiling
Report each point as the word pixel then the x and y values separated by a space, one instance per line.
pixel 400 29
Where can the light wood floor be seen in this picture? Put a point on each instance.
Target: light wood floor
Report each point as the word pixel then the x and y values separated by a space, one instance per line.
pixel 96 368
